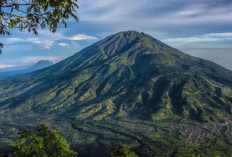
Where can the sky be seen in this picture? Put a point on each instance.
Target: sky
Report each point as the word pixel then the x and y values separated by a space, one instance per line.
pixel 201 28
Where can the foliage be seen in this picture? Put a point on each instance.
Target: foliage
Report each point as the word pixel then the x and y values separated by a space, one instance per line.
pixel 42 142
pixel 1 46
pixel 34 14
pixel 121 151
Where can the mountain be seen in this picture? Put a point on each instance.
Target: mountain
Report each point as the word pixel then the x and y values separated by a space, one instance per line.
pixel 127 88
pixel 37 66
pixel 40 65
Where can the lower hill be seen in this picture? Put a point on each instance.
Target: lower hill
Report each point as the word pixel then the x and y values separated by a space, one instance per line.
pixel 128 88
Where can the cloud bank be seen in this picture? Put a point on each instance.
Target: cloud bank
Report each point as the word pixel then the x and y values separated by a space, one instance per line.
pixel 156 11
pixel 212 37
pixel 47 39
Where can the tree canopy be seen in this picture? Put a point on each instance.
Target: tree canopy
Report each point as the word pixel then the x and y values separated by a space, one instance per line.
pixel 42 142
pixel 121 151
pixel 30 15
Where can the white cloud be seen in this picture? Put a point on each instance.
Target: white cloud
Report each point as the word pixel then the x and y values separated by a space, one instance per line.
pixel 219 34
pixel 46 43
pixel 47 39
pixel 3 66
pixel 211 37
pixel 82 37
pixel 191 10
pixel 64 44
pixel 154 12
pixel 14 40
pixel 192 39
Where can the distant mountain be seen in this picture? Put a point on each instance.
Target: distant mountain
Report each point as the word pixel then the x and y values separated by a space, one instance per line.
pixel 127 88
pixel 39 65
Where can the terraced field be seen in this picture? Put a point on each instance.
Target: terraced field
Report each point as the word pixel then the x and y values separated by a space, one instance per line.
pixel 93 138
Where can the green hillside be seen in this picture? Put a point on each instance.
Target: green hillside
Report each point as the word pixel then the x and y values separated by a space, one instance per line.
pixel 127 88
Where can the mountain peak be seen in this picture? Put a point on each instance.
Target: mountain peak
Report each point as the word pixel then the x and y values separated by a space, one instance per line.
pixel 131 34
pixel 41 64
pixel 123 41
pixel 44 62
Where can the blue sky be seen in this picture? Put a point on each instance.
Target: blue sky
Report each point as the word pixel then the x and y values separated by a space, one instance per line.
pixel 202 28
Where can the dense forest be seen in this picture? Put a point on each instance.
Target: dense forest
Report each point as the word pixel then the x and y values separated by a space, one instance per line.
pixel 42 141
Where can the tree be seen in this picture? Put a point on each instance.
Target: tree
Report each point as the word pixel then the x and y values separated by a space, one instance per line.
pixel 30 15
pixel 121 151
pixel 42 142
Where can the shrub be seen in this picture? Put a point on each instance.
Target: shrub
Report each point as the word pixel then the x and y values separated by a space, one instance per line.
pixel 42 142
pixel 121 151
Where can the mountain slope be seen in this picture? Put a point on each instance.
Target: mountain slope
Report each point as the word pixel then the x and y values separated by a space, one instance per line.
pixel 127 78
pixel 127 74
